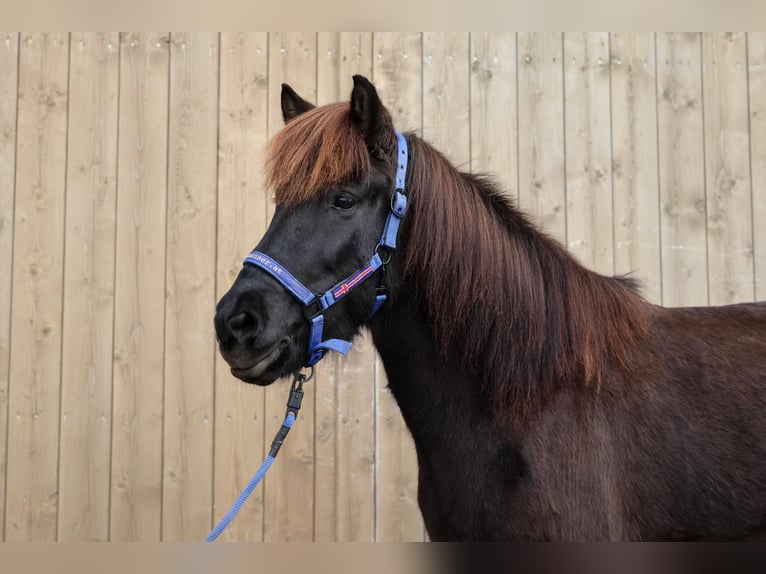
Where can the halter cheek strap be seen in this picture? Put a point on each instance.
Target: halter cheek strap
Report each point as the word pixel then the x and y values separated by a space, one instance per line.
pixel 317 347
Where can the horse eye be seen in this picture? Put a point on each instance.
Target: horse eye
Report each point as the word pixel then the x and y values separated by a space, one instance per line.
pixel 343 202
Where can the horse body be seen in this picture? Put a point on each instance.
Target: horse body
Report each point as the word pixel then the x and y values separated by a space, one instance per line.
pixel 673 447
pixel 546 402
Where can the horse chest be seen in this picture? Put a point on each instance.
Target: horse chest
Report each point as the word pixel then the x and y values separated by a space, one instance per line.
pixel 465 493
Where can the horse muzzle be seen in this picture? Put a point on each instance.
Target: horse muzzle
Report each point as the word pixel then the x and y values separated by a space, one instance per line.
pixel 257 348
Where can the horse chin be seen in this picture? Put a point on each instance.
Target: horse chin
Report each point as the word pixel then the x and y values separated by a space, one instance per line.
pixel 271 365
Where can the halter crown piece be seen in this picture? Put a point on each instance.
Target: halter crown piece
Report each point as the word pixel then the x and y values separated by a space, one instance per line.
pixel 317 347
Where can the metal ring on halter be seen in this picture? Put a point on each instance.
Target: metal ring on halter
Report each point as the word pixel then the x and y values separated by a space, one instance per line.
pixel 387 260
pixel 302 377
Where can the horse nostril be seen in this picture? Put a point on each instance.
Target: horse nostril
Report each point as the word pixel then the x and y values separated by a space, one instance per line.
pixel 242 324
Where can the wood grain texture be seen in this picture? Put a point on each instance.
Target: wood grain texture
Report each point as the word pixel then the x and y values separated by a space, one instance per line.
pixel 446 95
pixel 38 254
pixel 681 170
pixel 634 161
pixel 494 123
pixel 727 168
pixel 86 381
pixel 345 386
pixel 398 67
pixel 289 487
pixel 590 234
pixel 187 486
pixel 9 76
pixel 756 53
pixel 397 72
pixel 239 414
pixel 139 329
pixel 542 176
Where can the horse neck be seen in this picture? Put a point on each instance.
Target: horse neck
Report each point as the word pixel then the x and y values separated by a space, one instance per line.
pixel 432 393
pixel 500 302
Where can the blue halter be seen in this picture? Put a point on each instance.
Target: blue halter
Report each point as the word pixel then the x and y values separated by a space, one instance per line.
pixel 317 347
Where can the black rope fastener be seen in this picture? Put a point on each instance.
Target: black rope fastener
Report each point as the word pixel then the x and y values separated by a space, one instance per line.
pixel 293 406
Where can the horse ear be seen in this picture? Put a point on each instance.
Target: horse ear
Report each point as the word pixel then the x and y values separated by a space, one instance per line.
pixel 292 104
pixel 367 111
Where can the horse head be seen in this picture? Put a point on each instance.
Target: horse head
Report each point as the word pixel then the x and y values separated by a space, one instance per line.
pixel 314 279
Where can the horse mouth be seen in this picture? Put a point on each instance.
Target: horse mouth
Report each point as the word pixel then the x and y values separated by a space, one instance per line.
pixel 251 373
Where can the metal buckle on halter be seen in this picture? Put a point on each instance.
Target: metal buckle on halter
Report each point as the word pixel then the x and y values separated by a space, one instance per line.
pixel 309 314
pixel 398 202
pixel 315 357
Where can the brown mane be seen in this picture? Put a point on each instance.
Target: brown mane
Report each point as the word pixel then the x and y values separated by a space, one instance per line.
pixel 315 152
pixel 508 298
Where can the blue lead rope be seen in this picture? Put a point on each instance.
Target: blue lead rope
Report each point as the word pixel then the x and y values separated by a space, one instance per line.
pixel 317 346
pixel 237 506
pixel 293 406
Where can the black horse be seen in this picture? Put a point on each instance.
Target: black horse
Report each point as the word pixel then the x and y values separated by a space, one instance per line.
pixel 546 402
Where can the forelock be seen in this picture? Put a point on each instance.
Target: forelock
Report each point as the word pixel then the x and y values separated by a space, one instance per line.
pixel 314 153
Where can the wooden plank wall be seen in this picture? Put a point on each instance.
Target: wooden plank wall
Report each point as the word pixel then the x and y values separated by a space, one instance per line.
pixel 139 318
pixel 130 190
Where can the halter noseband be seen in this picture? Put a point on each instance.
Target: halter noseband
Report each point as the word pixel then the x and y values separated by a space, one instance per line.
pixel 318 347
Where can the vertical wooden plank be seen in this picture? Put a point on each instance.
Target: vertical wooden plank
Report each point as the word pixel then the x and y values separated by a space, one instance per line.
pixel 289 487
pixel 446 95
pixel 494 124
pixel 344 495
pixel 187 480
pixel 139 331
pixel 542 179
pixel 588 150
pixel 756 47
pixel 634 161
pixel 239 422
pixel 86 393
pixel 682 170
pixel 397 73
pixel 9 75
pixel 35 366
pixel 727 168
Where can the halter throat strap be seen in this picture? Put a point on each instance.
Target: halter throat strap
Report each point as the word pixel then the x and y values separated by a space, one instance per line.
pixel 323 301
